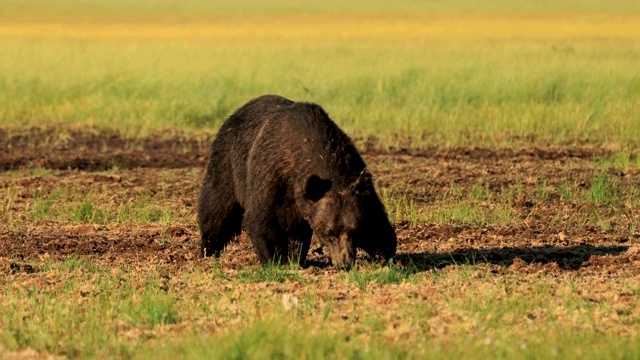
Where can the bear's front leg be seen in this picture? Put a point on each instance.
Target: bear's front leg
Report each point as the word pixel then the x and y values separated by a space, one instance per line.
pixel 267 237
pixel 302 238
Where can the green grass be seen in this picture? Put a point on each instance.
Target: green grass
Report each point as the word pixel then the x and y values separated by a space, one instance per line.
pixel 86 212
pixel 582 201
pixel 408 92
pixel 100 202
pixel 401 208
pixel 620 160
pixel 144 209
pixel 603 189
pixel 41 208
pixel 74 319
pixel 77 309
pixel 434 94
pixel 268 339
pixel 383 276
pixel 271 273
pixel 89 210
pixel 478 205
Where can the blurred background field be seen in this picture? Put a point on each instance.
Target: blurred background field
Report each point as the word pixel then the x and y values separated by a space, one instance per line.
pixel 413 74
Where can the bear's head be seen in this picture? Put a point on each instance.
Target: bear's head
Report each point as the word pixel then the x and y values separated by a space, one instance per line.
pixel 343 217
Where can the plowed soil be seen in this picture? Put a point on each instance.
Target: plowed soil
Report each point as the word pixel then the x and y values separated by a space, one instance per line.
pixel 532 245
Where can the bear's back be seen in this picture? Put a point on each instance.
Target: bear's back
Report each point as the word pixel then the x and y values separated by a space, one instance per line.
pixel 302 138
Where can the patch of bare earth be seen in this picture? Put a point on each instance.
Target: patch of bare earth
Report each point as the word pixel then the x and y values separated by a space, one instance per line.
pixel 537 243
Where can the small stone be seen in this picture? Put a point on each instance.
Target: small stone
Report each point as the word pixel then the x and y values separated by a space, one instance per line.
pixel 290 302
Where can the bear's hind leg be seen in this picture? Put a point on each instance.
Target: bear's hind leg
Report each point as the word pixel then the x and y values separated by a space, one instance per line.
pixel 219 218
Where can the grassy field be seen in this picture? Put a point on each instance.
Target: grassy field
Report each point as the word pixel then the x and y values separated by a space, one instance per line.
pixel 562 74
pixel 516 203
pixel 78 309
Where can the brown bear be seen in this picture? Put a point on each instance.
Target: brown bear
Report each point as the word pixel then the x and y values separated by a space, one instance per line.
pixel 288 170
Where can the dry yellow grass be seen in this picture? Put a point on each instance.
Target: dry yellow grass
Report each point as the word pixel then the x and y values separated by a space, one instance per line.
pixel 389 27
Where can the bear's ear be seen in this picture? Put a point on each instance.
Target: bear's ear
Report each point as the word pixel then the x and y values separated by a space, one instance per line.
pixel 316 187
pixel 363 184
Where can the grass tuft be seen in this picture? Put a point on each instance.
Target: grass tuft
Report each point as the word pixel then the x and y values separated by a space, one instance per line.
pixel 386 275
pixel 603 189
pixel 86 212
pixel 271 272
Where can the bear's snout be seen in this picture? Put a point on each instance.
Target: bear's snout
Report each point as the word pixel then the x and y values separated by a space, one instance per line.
pixel 343 253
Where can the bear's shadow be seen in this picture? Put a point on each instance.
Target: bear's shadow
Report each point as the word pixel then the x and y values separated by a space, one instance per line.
pixel 567 257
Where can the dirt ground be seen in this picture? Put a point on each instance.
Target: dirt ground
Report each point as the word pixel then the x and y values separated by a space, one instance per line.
pixel 540 243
